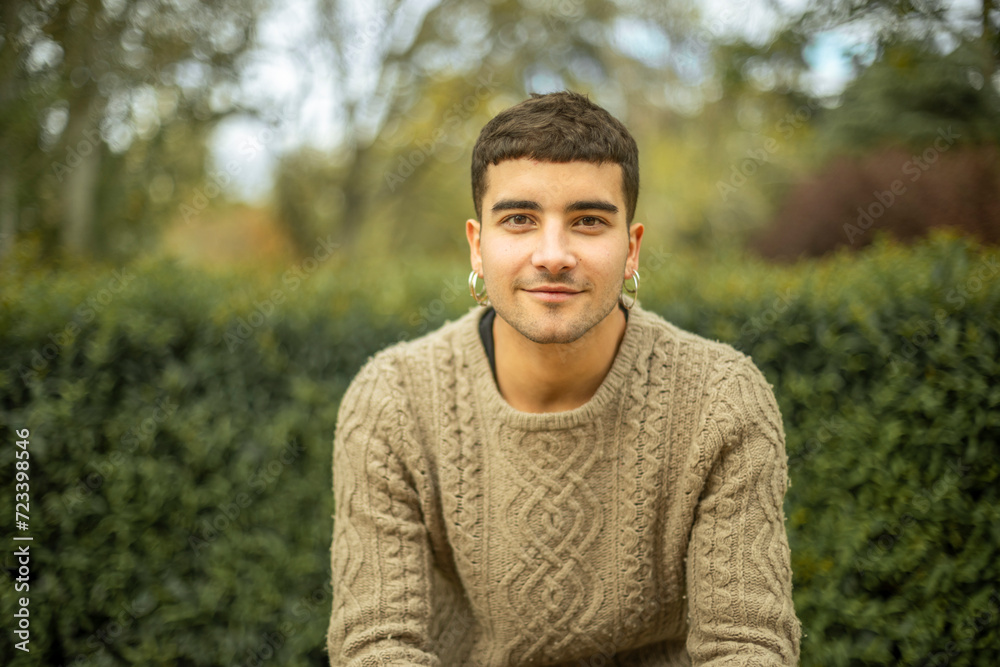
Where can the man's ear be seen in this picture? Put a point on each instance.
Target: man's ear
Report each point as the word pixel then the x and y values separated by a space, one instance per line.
pixel 472 230
pixel 634 242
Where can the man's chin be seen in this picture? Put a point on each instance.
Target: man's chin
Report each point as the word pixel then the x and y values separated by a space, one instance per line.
pixel 552 328
pixel 554 338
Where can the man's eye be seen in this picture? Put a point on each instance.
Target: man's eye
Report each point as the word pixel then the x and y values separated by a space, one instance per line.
pixel 517 220
pixel 590 221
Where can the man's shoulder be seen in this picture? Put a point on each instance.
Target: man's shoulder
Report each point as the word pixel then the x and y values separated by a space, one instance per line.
pixel 692 346
pixel 397 374
pixel 710 370
pixel 711 367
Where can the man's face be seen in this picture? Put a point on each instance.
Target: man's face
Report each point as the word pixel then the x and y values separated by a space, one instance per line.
pixel 553 246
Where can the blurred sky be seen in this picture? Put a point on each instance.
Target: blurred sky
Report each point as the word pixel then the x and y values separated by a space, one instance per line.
pixel 292 77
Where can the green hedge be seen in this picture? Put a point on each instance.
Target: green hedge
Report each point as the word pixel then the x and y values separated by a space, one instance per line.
pixel 180 427
pixel 180 430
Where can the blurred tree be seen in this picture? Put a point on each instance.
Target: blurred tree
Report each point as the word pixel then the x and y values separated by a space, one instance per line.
pixel 909 94
pixel 924 63
pixel 893 21
pixel 104 108
pixel 307 198
pixel 420 79
pixel 924 68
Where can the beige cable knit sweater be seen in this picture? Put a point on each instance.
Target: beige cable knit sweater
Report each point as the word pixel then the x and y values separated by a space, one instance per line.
pixel 642 528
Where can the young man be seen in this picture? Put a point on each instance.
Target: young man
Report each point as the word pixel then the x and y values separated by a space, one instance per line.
pixel 560 478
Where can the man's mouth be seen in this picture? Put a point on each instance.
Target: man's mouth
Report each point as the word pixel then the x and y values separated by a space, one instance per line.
pixel 554 288
pixel 553 293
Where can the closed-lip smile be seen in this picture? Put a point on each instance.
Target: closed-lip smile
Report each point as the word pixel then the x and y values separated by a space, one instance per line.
pixel 553 288
pixel 553 293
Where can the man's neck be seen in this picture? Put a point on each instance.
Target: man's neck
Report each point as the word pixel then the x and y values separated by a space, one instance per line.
pixel 535 377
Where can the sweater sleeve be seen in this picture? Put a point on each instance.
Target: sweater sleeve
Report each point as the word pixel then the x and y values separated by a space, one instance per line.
pixel 381 560
pixel 738 563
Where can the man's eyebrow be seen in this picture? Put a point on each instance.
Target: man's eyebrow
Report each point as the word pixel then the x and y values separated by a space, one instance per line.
pixel 513 204
pixel 582 205
pixel 592 205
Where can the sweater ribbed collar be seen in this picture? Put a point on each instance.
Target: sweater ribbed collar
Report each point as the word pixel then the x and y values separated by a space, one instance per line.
pixel 607 397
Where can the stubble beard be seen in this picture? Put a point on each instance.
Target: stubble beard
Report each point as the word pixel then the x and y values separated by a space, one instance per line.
pixel 574 326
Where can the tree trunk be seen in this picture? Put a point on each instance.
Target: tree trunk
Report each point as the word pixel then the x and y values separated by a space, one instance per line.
pixel 78 159
pixel 356 193
pixel 8 210
pixel 78 177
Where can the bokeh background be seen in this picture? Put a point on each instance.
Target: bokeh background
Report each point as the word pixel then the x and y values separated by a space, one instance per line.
pixel 211 214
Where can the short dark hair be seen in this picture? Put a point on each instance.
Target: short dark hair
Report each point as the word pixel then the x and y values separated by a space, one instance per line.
pixel 557 127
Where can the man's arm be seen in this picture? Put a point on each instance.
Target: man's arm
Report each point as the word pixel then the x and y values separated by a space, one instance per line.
pixel 739 576
pixel 381 560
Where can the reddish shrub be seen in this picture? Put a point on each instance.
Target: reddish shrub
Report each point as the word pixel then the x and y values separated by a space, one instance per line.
pixel 902 193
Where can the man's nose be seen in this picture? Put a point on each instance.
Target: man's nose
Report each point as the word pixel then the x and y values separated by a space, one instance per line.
pixel 554 251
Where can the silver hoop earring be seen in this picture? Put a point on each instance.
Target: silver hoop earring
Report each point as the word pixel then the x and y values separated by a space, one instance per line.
pixel 634 292
pixel 481 297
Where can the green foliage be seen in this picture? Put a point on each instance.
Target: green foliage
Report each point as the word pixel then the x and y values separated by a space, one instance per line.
pixel 910 94
pixel 180 458
pixel 181 427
